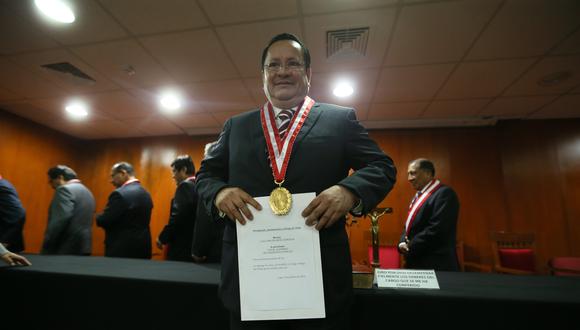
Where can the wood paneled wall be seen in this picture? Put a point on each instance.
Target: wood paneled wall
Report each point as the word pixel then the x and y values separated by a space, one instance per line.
pixel 27 151
pixel 517 176
pixel 151 158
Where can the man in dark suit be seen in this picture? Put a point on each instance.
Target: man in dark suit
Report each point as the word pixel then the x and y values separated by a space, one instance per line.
pixel 12 217
pixel 127 215
pixel 178 233
pixel 70 217
pixel 428 240
pixel 329 142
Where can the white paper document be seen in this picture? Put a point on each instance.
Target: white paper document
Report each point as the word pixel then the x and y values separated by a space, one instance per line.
pixel 280 265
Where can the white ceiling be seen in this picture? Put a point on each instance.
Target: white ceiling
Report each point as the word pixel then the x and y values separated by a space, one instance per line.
pixel 427 63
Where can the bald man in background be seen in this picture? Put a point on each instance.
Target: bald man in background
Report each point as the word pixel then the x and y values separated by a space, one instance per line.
pixel 127 216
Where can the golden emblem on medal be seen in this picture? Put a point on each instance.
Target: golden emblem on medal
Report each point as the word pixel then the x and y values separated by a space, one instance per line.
pixel 280 200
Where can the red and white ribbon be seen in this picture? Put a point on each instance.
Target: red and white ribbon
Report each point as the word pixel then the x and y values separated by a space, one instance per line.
pixel 428 191
pixel 129 182
pixel 281 149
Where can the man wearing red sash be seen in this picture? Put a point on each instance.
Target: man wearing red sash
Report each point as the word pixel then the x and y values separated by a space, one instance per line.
pixel 127 216
pixel 294 145
pixel 428 240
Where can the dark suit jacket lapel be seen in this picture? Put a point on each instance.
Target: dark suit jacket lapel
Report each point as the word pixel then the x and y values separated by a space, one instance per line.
pixel 308 124
pixel 259 143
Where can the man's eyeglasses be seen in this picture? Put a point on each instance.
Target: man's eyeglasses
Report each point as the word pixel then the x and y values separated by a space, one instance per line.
pixel 275 67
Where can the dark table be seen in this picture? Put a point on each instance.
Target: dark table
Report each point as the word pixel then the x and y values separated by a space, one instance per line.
pixel 67 292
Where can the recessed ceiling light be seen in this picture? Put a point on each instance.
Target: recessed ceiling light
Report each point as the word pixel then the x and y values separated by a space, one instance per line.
pixel 343 89
pixel 77 110
pixel 170 102
pixel 56 10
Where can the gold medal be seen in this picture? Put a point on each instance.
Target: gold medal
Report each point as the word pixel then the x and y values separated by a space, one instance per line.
pixel 280 200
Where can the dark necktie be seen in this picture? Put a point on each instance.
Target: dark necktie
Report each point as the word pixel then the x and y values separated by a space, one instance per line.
pixel 417 195
pixel 285 117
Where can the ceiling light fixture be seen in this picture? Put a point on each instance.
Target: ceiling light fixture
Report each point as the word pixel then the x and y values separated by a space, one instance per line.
pixel 170 102
pixel 343 89
pixel 56 10
pixel 77 110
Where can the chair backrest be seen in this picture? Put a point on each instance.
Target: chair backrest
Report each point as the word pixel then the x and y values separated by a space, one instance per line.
pixel 564 266
pixel 389 257
pixel 513 253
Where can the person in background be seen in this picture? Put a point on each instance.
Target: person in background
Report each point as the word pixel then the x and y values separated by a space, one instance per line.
pixel 428 240
pixel 208 232
pixel 127 216
pixel 12 259
pixel 12 217
pixel 70 217
pixel 327 142
pixel 178 233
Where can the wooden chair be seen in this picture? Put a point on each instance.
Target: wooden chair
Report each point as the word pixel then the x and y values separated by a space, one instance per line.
pixel 564 266
pixel 513 253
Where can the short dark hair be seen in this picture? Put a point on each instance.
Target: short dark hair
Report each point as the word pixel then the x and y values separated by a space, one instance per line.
pixel 287 36
pixel 58 170
pixel 425 165
pixel 123 166
pixel 184 161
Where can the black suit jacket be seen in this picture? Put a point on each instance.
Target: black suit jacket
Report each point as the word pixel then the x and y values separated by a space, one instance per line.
pixel 12 217
pixel 126 222
pixel 433 232
pixel 330 143
pixel 178 233
pixel 207 235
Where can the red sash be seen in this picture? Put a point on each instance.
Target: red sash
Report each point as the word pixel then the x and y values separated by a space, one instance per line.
pixel 432 187
pixel 129 182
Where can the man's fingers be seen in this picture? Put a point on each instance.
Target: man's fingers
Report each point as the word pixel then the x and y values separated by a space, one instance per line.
pixel 314 217
pixel 311 207
pixel 328 218
pixel 246 212
pixel 233 202
pixel 235 215
pixel 253 202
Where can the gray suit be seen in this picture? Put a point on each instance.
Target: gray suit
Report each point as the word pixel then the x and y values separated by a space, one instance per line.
pixel 70 217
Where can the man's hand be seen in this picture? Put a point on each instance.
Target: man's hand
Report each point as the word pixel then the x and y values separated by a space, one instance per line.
pixel 234 203
pixel 159 244
pixel 403 248
pixel 328 207
pixel 14 259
